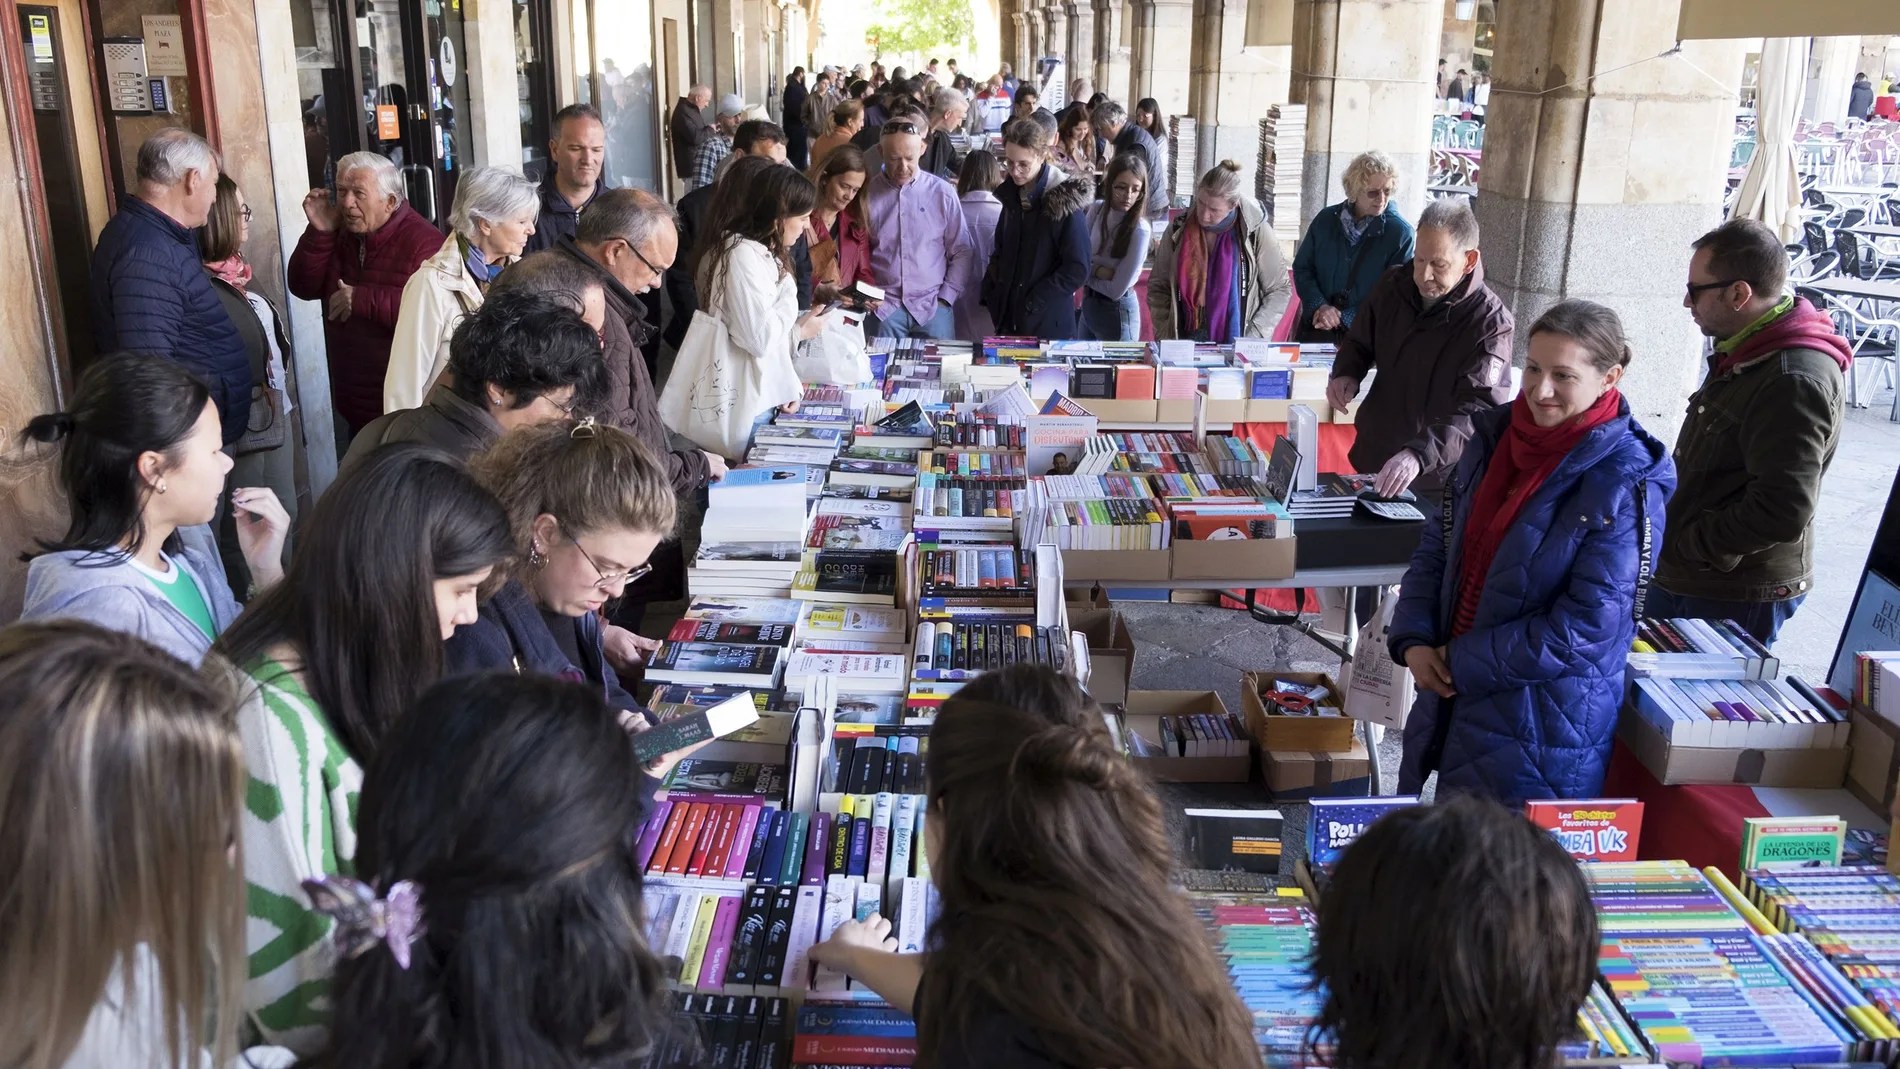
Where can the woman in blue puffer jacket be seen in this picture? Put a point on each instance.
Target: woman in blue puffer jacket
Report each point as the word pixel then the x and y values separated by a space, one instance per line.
pixel 1517 613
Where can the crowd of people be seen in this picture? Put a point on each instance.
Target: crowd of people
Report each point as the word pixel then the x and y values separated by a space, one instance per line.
pixel 360 793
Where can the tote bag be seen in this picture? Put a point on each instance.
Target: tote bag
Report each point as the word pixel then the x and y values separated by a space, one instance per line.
pixel 707 399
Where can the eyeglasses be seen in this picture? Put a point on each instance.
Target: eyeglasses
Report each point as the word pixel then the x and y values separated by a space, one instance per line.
pixel 641 256
pixel 246 213
pixel 1700 287
pixel 607 581
pixel 897 126
pixel 566 408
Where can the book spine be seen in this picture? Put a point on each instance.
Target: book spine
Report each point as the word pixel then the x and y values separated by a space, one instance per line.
pixel 808 910
pixel 817 845
pixel 741 845
pixel 679 933
pixel 773 859
pixel 669 837
pixel 695 956
pixel 840 898
pixel 838 860
pixel 708 834
pixel 742 967
pixel 755 853
pixel 778 937
pixel 876 862
pixel 860 841
pixel 721 853
pixel 794 860
pixel 651 833
pixel 712 976
pixel 913 915
pixel 902 818
pixel 688 839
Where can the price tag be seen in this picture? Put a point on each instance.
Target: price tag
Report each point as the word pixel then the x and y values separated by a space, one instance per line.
pixel 388 122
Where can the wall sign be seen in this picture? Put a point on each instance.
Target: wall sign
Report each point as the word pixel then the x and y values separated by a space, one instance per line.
pixel 165 46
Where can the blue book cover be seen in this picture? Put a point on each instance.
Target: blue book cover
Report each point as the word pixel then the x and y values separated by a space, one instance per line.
pixel 860 859
pixel 740 478
pixel 774 858
pixel 1336 822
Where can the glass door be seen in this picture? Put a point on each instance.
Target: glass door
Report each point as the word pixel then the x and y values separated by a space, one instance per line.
pixel 534 81
pixel 438 140
pixel 64 189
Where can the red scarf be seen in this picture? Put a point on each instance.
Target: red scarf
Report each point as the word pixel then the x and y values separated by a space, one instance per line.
pixel 1519 465
pixel 236 271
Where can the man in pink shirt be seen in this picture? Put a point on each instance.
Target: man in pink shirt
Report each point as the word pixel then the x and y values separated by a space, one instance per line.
pixel 920 248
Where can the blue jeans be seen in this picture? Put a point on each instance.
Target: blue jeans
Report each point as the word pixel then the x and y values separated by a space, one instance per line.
pixel 897 323
pixel 1107 319
pixel 1762 619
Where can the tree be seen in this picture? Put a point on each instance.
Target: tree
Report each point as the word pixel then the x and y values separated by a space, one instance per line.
pixel 919 26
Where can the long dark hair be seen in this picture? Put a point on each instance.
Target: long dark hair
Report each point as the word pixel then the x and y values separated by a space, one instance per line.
pixel 1155 126
pixel 1123 163
pixel 528 343
pixel 752 196
pixel 980 172
pixel 1494 978
pixel 1057 905
pixel 358 601
pixel 513 803
pixel 125 405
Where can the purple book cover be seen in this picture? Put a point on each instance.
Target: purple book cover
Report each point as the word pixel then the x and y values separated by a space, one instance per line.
pixel 816 846
pixel 719 945
pixel 742 840
pixel 650 835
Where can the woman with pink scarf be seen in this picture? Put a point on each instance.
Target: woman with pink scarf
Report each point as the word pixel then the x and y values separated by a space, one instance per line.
pixel 1219 273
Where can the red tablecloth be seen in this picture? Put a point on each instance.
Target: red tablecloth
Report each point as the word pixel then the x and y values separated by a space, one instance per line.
pixel 1700 824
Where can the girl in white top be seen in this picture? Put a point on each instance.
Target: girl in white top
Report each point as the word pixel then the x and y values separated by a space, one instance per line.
pixel 121 890
pixel 744 275
pixel 143 466
pixel 1118 243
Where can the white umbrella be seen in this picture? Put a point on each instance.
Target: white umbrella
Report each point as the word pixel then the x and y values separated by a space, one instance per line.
pixel 1771 190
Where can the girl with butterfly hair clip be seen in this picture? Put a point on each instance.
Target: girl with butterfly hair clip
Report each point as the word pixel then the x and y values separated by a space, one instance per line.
pixel 1061 941
pixel 498 821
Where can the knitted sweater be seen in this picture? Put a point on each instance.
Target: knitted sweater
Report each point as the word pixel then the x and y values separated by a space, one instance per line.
pixel 299 821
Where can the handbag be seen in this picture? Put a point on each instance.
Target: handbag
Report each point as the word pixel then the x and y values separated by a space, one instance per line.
pixel 266 427
pixel 836 357
pixel 1378 689
pixel 705 399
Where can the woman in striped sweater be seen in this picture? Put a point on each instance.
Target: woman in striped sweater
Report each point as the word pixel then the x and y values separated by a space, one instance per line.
pixel 387 569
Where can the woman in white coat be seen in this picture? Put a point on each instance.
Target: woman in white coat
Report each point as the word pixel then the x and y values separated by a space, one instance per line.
pixel 493 217
pixel 744 276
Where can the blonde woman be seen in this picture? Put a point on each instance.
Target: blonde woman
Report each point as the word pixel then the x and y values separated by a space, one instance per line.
pixel 493 218
pixel 121 893
pixel 1349 246
pixel 1218 270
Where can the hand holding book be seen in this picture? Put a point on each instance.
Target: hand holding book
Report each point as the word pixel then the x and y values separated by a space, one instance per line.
pixel 868 952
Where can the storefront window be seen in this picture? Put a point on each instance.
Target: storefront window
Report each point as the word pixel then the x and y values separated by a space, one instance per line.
pixel 624 87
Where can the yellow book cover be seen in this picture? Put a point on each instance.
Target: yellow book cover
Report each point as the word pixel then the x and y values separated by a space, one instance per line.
pixel 696 946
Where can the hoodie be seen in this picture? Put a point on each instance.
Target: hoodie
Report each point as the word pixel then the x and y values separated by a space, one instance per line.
pixel 104 588
pixel 1794 324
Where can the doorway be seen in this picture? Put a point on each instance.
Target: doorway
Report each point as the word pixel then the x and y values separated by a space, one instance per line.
pixel 62 184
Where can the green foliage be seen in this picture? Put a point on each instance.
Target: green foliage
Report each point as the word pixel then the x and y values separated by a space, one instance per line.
pixel 919 26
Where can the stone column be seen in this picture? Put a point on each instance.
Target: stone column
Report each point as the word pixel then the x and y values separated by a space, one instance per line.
pixel 1233 86
pixel 728 49
pixel 1601 165
pixel 1038 45
pixel 1365 71
pixel 1079 56
pixel 1055 22
pixel 1006 38
pixel 1831 67
pixel 1159 64
pixel 1111 58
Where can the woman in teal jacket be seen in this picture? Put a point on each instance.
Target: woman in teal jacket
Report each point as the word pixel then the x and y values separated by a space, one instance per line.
pixel 1348 246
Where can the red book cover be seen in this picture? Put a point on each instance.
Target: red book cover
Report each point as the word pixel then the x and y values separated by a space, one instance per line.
pixel 699 864
pixel 853 1050
pixel 669 839
pixel 689 838
pixel 1135 382
pixel 722 840
pixel 1592 829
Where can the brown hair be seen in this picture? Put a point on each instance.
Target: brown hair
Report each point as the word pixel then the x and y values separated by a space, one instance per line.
pixel 218 238
pixel 591 477
pixel 847 112
pixel 1592 326
pixel 980 171
pixel 1057 903
pixel 121 788
pixel 845 159
pixel 1747 251
pixel 1221 180
pixel 1494 978
pixel 1027 133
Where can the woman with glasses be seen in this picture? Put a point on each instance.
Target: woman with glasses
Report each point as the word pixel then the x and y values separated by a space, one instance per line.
pixel 523 359
pixel 1041 254
pixel 587 505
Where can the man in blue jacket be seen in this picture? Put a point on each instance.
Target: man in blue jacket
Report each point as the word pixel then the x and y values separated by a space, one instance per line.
pixel 150 293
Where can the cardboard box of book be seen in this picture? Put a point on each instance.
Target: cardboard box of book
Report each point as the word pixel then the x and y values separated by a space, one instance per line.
pixel 1145 711
pixel 1318 774
pixel 1874 763
pixel 1225 410
pixel 1675 763
pixel 1110 564
pixel 1111 651
pixel 1121 409
pixel 1275 730
pixel 1238 559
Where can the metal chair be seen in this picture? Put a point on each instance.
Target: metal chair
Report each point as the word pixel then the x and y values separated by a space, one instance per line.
pixel 1816 237
pixel 1812 266
pixel 1861 259
pixel 1860 329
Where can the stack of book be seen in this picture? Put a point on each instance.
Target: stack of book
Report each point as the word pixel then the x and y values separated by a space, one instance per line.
pixel 1282 168
pixel 734 1032
pixel 1725 713
pixel 752 539
pixel 1700 649
pixel 1100 512
pixel 1696 980
pixel 1850 916
pixel 1266 944
pixel 1877 682
pixel 1183 142
pixel 776 445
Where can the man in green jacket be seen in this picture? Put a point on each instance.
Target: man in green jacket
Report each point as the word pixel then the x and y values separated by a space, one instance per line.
pixel 1760 432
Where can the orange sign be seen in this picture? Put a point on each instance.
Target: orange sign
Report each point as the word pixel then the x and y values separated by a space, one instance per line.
pixel 388 122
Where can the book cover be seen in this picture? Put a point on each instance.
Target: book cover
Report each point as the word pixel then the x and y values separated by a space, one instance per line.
pixel 714 553
pixel 1243 839
pixel 695 955
pixel 712 975
pixel 695 727
pixel 1592 829
pixel 1784 840
pixel 863 622
pixel 778 937
pixel 688 662
pixel 1335 822
pixel 697 775
pixel 745 610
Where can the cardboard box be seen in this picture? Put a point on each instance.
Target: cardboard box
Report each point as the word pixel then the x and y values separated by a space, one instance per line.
pixel 1112 564
pixel 1111 652
pixel 1238 559
pixel 1275 731
pixel 1819 768
pixel 1144 710
pixel 1111 410
pixel 1874 764
pixel 1268 409
pixel 1318 774
pixel 1349 414
pixel 1226 410
pixel 1175 410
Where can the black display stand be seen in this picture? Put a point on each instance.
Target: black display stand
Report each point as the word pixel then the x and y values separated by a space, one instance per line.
pixel 1873 623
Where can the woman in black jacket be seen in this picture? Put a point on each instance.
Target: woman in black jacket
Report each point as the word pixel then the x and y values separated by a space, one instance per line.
pixel 1041 255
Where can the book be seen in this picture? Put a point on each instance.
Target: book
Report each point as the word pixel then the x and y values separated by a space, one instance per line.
pixel 823 620
pixel 1243 839
pixel 688 629
pixel 858 588
pixel 714 662
pixel 744 610
pixel 1783 840
pixel 745 780
pixel 865 673
pixel 689 729
pixel 1335 823
pixel 1592 829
